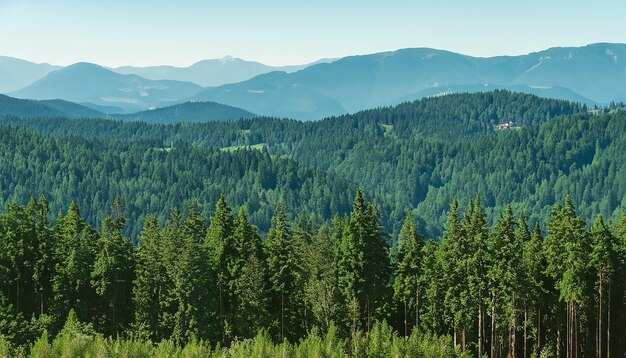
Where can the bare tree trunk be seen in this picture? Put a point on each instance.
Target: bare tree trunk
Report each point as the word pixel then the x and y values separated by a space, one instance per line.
pixel 569 331
pixel 417 307
pixel 493 331
pixel 282 317
pixel 368 315
pixel 480 330
pixel 455 341
pixel 513 330
pixel 599 335
pixel 405 323
pixel 525 334
pixel 538 340
pixel 463 341
pixel 575 331
pixel 221 311
pixel 558 343
pixel 514 339
pixel 608 322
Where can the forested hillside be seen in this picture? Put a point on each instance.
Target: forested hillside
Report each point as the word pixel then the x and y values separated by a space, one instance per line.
pixel 249 234
pixel 154 179
pixel 194 285
pixel 419 155
pixel 188 112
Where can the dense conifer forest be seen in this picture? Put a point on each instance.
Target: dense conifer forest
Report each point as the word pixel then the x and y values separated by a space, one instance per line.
pixel 195 284
pixel 417 155
pixel 415 230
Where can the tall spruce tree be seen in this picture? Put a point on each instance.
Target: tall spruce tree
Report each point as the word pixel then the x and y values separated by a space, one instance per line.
pixel 112 276
pixel 190 304
pixel 433 281
pixel 44 259
pixel 20 243
pixel 603 263
pixel 478 267
pixel 456 248
pixel 567 247
pixel 363 264
pixel 150 285
pixel 505 278
pixel 249 276
pixel 219 247
pixel 532 270
pixel 282 269
pixel 321 286
pixel 408 273
pixel 75 255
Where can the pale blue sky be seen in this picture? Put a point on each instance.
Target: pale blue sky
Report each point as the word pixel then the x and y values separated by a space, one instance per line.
pixel 277 32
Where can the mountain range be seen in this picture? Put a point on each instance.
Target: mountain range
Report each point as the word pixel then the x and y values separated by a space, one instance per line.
pixel 213 72
pixel 187 112
pixel 16 73
pixel 86 82
pixel 593 74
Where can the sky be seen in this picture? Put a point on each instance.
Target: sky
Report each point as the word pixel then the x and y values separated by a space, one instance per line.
pixel 280 32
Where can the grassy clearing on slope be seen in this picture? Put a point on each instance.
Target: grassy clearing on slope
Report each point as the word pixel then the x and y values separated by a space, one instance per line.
pixel 259 146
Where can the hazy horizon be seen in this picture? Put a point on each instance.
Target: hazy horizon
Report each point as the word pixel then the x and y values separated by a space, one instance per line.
pixel 227 56
pixel 279 32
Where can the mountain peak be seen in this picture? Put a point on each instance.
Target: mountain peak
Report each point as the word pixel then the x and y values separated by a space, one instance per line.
pixel 228 58
pixel 85 66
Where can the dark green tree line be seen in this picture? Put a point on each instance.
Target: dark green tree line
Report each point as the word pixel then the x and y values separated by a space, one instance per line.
pixel 501 290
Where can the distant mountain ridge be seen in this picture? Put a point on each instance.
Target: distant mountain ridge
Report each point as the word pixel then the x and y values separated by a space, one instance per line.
pixel 594 74
pixel 188 112
pixel 86 82
pixel 16 74
pixel 10 106
pixel 183 112
pixel 212 72
pixel 590 74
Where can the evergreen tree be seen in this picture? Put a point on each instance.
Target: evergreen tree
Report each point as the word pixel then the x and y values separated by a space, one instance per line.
pixel 75 255
pixel 321 287
pixel 532 269
pixel 478 266
pixel 112 275
pixel 190 304
pixel 603 263
pixel 433 282
pixel 505 277
pixel 18 246
pixel 248 283
pixel 456 251
pixel 45 260
pixel 408 272
pixel 566 247
pixel 150 285
pixel 303 231
pixel 284 308
pixel 363 264
pixel 219 247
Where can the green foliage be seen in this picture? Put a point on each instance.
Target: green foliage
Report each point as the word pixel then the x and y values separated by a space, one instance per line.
pixel 486 284
pixel 248 279
pixel 408 272
pixel 283 270
pixel 439 148
pixel 316 290
pixel 148 179
pixel 113 274
pixel 363 265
